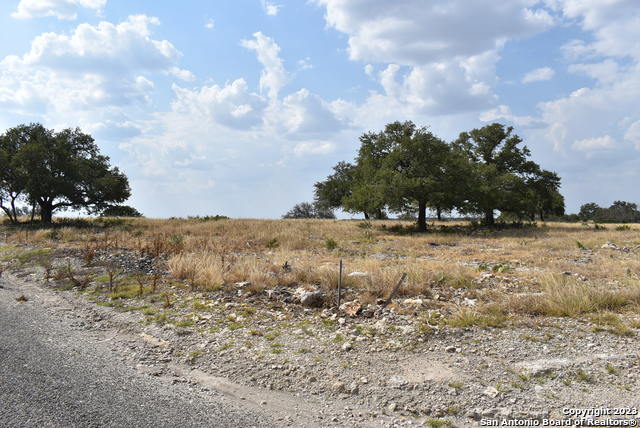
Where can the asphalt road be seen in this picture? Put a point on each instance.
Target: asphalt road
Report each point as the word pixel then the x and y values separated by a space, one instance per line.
pixel 55 375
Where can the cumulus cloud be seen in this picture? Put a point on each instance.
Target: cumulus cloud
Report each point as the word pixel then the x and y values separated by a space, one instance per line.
pixel 444 87
pixel 614 23
pixel 539 75
pixel 432 65
pixel 274 76
pixel 306 115
pixel 232 105
pixel 61 9
pixel 414 32
pixel 210 24
pixel 270 8
pixel 92 67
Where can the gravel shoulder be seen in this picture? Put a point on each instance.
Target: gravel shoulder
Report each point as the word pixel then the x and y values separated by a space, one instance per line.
pixel 56 371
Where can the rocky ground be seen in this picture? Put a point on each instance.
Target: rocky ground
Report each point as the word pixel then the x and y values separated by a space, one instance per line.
pixel 363 365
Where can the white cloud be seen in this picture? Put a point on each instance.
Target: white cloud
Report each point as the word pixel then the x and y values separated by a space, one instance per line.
pixel 314 148
pixel 433 66
pixel 614 23
pixel 232 105
pixel 210 24
pixel 604 72
pixel 61 9
pixel 306 115
pixel 444 87
pixel 633 134
pixel 602 116
pixel 503 112
pixel 412 32
pixel 274 76
pixel 93 67
pixel 305 64
pixel 591 144
pixel 606 109
pixel 577 49
pixel 539 75
pixel 269 8
pixel 182 74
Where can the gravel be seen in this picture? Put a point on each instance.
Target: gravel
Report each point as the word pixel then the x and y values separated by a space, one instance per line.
pixel 53 373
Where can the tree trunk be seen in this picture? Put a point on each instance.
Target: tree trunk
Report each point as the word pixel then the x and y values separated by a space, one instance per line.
pixel 422 216
pixel 33 211
pixel 46 211
pixel 541 215
pixel 366 216
pixel 439 213
pixel 488 218
pixel 8 213
pixel 13 209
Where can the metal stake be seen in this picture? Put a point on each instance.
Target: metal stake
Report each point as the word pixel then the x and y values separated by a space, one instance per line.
pixel 340 284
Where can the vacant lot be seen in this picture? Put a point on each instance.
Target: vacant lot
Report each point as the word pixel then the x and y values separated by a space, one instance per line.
pixel 518 322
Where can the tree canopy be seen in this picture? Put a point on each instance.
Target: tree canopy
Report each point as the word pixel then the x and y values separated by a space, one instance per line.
pixel 407 168
pixel 57 171
pixel 308 210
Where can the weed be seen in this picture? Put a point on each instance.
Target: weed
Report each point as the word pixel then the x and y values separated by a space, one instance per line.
pixel 502 268
pixel 272 334
pixel 88 254
pixel 365 225
pixel 233 326
pixel 276 348
pixel 453 410
pixel 184 323
pixel 466 317
pixel 611 369
pixel 438 423
pixel 330 244
pixel 273 244
pixel 455 385
pixel 583 376
pixel 167 301
pixel 338 338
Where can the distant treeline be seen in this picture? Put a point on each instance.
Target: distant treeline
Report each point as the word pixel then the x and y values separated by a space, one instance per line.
pixel 618 212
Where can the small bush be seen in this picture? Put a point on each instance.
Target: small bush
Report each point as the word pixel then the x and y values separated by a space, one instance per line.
pixel 330 244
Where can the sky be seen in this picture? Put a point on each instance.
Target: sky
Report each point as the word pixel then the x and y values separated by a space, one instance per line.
pixel 238 107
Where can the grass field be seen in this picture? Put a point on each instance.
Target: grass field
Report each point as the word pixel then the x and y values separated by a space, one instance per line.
pixel 472 276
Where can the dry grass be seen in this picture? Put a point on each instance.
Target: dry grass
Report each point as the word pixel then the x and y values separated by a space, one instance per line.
pixel 562 297
pixel 539 271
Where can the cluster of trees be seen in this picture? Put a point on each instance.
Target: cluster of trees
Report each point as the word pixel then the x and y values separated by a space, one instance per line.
pixel 618 212
pixel 52 171
pixel 406 169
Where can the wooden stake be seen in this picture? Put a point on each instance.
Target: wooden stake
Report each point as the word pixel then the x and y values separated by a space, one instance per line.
pixel 395 290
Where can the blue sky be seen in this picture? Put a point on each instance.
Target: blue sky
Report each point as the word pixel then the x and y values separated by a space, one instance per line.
pixel 237 108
